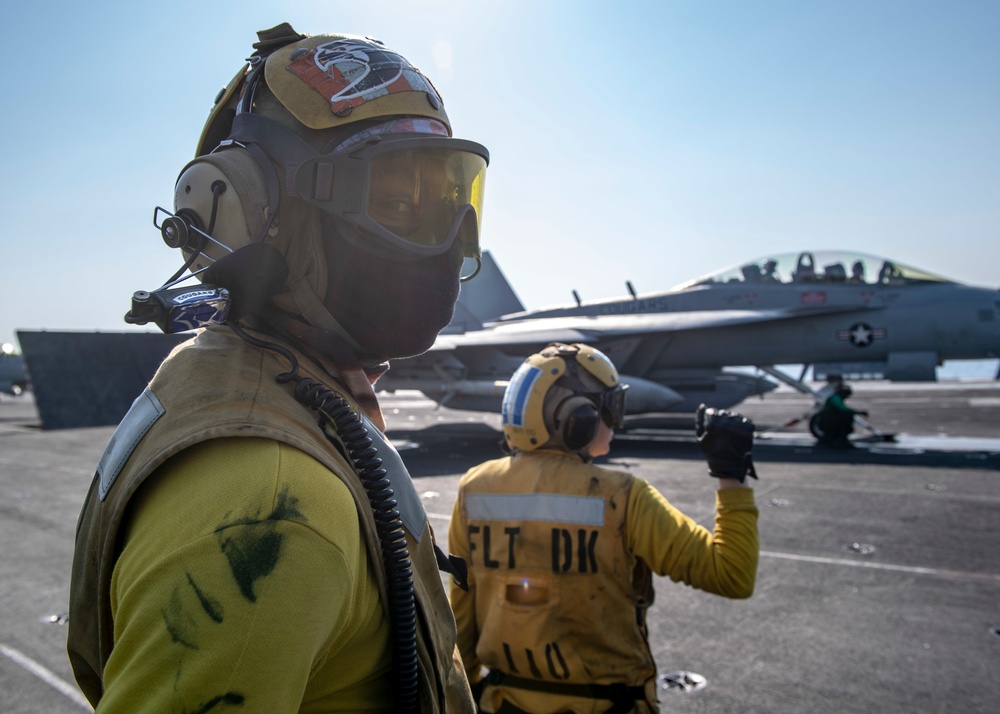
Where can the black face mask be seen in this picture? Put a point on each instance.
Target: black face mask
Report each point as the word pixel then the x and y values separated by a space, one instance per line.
pixel 391 305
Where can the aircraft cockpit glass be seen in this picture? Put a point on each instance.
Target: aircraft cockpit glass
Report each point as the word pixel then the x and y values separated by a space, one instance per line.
pixel 819 267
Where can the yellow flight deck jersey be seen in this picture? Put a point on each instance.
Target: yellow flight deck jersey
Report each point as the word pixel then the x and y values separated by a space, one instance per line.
pixel 227 558
pixel 560 553
pixel 227 555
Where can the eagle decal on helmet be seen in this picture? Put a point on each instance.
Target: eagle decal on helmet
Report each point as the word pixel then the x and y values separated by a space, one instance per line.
pixel 350 72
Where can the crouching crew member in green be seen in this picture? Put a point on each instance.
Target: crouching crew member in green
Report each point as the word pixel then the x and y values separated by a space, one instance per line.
pixel 251 542
pixel 561 551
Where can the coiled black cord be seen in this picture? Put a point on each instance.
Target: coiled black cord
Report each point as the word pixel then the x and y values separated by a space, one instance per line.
pixel 337 413
pixel 335 410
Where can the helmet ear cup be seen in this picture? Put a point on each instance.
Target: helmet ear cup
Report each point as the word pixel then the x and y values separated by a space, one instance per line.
pixel 239 209
pixel 576 421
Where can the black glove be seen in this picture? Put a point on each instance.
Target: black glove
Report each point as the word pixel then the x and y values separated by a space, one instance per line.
pixel 725 438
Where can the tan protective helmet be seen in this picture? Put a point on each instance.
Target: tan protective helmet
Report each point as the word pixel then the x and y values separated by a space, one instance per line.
pixel 321 83
pixel 298 97
pixel 558 397
pixel 327 81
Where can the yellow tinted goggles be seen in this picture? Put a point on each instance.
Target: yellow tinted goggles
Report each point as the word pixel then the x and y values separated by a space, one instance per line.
pixel 419 193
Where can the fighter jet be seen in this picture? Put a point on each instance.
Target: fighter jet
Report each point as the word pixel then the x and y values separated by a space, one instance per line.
pixel 842 313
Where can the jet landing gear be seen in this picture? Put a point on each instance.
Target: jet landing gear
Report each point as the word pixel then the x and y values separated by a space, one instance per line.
pixel 831 430
pixel 841 440
pixel 831 421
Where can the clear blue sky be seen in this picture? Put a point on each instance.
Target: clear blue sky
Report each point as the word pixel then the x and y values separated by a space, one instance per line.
pixel 643 141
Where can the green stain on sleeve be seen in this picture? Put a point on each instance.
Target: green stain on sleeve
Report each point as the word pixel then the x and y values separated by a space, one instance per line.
pixel 252 551
pixel 212 607
pixel 253 545
pixel 181 626
pixel 229 698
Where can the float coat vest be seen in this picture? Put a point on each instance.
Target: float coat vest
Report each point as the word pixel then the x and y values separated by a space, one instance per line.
pixel 219 386
pixel 559 597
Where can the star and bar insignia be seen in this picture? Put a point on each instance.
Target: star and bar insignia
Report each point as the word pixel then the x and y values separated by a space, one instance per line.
pixel 861 334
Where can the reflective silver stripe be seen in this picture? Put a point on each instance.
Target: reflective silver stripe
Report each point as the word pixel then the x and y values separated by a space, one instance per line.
pixel 584 510
pixel 408 503
pixel 143 413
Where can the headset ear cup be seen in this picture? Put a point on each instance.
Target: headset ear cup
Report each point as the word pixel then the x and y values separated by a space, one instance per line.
pixel 577 419
pixel 239 208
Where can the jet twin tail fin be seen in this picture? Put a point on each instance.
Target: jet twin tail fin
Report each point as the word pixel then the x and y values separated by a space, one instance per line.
pixel 484 298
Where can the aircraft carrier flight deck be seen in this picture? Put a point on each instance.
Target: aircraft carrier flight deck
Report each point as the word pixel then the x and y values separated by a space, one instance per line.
pixel 879 579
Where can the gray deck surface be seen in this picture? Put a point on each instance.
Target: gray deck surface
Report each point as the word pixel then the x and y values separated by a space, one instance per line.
pixel 879 581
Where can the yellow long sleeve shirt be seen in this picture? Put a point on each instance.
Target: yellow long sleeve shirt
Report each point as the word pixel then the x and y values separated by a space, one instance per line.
pixel 670 543
pixel 244 585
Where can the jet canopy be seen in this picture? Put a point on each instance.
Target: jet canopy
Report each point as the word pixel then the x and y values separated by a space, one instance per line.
pixel 819 267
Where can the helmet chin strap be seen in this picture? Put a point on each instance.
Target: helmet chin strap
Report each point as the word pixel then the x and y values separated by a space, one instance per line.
pixel 474 273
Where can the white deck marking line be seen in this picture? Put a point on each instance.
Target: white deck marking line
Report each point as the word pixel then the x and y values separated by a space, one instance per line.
pixel 65 688
pixel 915 569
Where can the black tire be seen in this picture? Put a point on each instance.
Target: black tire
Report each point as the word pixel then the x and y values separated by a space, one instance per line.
pixel 814 427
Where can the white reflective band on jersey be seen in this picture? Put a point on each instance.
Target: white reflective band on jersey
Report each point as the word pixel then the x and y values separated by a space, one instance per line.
pixel 515 399
pixel 141 416
pixel 583 510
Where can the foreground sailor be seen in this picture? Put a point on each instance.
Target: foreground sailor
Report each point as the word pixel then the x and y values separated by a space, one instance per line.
pixel 561 551
pixel 250 541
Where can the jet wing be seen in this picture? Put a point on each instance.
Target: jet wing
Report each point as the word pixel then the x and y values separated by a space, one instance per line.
pixel 594 328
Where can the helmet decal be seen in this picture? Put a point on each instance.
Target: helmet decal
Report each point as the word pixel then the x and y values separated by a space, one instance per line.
pixel 515 399
pixel 350 72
